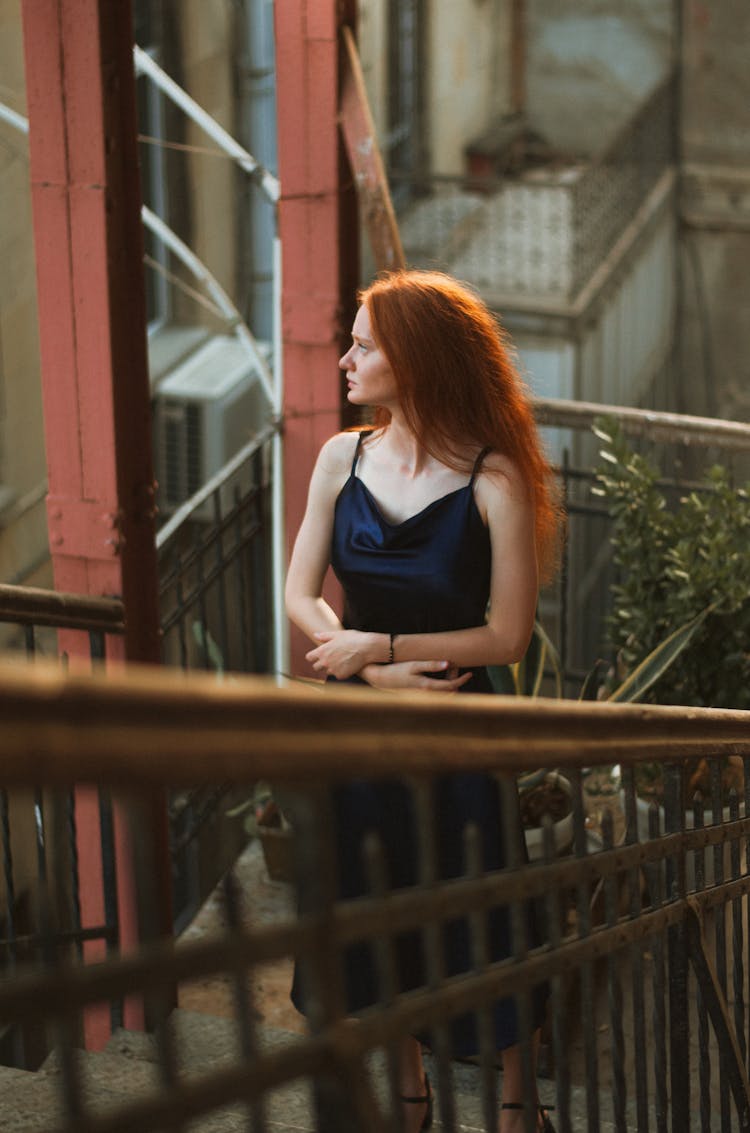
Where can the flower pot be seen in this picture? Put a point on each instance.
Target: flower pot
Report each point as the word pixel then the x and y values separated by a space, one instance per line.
pixel 562 828
pixel 277 844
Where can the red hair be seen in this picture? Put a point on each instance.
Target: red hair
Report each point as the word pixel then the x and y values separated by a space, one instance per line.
pixel 458 385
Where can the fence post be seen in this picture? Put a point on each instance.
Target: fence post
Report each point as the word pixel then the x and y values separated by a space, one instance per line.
pixel 677 960
pixel 92 323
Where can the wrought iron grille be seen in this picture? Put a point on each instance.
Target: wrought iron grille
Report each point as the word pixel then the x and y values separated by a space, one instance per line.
pixel 39 830
pixel 216 605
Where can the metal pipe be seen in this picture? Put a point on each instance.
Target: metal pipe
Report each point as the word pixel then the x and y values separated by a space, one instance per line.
pixel 145 65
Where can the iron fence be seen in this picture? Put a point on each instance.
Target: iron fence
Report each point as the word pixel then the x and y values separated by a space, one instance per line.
pixel 647 944
pixel 216 603
pixel 576 608
pixel 39 830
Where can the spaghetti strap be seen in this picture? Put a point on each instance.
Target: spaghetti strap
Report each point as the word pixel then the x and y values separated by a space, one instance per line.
pixel 362 435
pixel 478 464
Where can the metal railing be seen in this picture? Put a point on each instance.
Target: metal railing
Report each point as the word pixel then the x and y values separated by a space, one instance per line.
pixel 576 608
pixel 39 830
pixel 646 940
pixel 218 604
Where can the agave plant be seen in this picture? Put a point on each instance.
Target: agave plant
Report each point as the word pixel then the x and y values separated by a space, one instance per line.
pixel 525 678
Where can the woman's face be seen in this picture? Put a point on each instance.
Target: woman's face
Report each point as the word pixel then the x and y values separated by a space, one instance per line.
pixel 368 374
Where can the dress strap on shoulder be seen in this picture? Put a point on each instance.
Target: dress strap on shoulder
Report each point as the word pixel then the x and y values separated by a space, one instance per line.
pixel 478 463
pixel 364 433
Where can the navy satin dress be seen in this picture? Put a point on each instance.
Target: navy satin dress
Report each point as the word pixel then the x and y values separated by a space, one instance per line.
pixel 430 573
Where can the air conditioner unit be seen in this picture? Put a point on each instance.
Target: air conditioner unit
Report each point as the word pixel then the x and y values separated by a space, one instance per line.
pixel 205 410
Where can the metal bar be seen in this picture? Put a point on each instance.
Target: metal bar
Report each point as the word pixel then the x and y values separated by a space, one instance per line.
pixel 679 1047
pixel 614 989
pixel 243 1002
pixel 363 152
pixel 262 583
pixel 720 933
pixel 729 1050
pixel 28 605
pixel 659 991
pixel 386 963
pixel 738 970
pixel 481 959
pixel 746 800
pixel 221 572
pixel 10 888
pixel 588 998
pixel 249 726
pixel 425 807
pixel 265 180
pixel 704 1063
pixel 634 878
pixel 109 891
pixel 75 874
pixel 559 1006
pixel 674 428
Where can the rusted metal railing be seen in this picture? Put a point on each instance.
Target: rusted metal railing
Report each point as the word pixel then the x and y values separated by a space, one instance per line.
pixel 646 944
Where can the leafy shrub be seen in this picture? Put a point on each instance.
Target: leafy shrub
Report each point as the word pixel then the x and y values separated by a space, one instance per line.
pixel 674 562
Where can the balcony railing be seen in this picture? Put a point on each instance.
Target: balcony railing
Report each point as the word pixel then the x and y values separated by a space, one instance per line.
pixel 644 950
pixel 540 232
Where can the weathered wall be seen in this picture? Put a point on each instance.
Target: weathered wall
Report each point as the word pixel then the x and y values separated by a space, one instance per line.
pixel 468 76
pixel 207 35
pixel 589 64
pixel 23 528
pixel 715 354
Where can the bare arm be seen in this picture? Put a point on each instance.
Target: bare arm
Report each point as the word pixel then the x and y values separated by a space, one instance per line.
pixel 305 604
pixel 504 502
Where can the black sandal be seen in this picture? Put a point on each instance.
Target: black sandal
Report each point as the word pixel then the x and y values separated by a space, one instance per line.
pixel 427 1121
pixel 547 1126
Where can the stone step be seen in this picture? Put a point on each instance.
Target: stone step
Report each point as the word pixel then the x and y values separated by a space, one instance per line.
pixel 30 1103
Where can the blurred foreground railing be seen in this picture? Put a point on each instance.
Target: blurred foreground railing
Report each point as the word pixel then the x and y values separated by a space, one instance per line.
pixel 39 836
pixel 647 936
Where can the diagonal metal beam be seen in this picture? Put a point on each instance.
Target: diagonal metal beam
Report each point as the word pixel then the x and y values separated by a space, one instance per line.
pixel 716 1005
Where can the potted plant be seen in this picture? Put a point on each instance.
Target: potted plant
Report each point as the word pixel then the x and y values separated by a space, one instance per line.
pixel 547 791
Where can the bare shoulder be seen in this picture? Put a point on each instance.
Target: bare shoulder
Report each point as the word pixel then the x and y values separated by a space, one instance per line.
pixel 500 479
pixel 337 454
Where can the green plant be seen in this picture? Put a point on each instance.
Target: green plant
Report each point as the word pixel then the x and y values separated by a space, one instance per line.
pixel 526 676
pixel 678 563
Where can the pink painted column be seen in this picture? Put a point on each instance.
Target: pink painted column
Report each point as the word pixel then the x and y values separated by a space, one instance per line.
pixel 319 240
pixel 89 253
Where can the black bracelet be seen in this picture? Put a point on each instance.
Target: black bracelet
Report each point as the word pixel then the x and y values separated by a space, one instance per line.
pixel 390 655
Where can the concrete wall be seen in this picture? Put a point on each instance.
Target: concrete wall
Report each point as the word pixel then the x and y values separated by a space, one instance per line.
pixel 23 528
pixel 469 76
pixel 590 63
pixel 208 41
pixel 715 343
pixel 468 73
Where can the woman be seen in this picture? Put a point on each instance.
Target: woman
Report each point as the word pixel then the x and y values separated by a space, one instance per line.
pixel 442 507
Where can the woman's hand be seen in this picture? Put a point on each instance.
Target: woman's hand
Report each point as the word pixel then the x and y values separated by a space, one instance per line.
pixel 344 652
pixel 415 674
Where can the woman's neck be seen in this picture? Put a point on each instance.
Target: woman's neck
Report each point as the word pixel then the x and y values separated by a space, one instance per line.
pixel 405 449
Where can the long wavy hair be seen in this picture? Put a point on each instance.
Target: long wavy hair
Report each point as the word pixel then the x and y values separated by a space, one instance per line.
pixel 458 385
